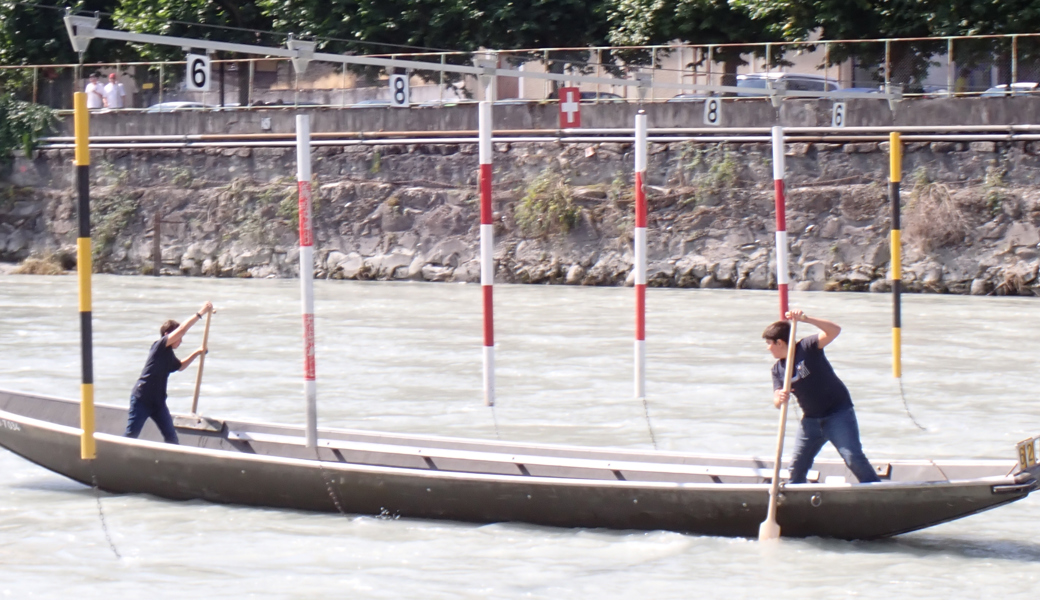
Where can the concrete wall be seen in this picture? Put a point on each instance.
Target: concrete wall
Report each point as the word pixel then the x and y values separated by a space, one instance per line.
pixel 1018 110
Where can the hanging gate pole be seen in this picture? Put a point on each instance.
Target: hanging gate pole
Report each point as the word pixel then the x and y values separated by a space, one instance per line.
pixel 487 254
pixel 303 177
pixel 639 241
pixel 84 267
pixel 781 218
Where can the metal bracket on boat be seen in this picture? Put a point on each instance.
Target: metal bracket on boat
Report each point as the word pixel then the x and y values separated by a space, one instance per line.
pixel 198 423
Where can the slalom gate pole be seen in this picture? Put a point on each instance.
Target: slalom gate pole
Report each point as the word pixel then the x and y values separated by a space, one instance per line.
pixel 639 240
pixel 487 247
pixel 84 267
pixel 896 166
pixel 781 218
pixel 303 177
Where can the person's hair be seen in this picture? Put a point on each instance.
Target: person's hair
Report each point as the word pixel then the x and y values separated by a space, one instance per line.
pixel 168 326
pixel 779 331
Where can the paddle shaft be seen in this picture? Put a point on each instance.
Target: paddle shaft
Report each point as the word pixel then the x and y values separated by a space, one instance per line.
pixel 788 372
pixel 202 362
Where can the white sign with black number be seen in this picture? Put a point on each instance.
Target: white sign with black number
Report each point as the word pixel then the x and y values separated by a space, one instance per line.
pixel 399 90
pixel 712 111
pixel 197 77
pixel 838 115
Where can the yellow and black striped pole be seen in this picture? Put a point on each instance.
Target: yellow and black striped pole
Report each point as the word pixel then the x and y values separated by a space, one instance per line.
pixel 84 266
pixel 896 166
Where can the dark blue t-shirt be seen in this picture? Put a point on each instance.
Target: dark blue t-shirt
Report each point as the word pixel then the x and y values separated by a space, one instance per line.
pixel 819 391
pixel 161 362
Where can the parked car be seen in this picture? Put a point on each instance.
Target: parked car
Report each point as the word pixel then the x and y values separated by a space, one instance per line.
pixel 688 97
pixel 370 103
pixel 1021 87
pixel 794 82
pixel 588 97
pixel 172 106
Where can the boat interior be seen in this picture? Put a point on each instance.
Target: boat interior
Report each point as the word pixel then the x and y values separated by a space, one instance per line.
pixel 485 456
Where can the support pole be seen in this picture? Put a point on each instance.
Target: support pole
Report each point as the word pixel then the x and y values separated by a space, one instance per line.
pixel 84 267
pixel 303 177
pixel 781 218
pixel 487 246
pixel 896 167
pixel 639 240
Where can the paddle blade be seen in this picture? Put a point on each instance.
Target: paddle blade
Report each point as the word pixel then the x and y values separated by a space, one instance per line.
pixel 768 530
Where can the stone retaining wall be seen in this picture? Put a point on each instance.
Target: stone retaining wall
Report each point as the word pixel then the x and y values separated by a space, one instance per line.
pixel 970 220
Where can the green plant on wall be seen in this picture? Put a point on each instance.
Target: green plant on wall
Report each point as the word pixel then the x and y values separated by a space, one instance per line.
pixel 110 216
pixel 547 206
pixel 716 170
pixel 21 124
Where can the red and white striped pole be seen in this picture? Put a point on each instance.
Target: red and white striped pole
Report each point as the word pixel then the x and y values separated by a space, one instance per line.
pixel 640 256
pixel 303 178
pixel 487 254
pixel 781 217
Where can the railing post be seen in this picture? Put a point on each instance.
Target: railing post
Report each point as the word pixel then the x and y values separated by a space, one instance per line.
pixel 1014 62
pixel 888 64
pixel 252 80
pixel 162 80
pixel 653 71
pixel 711 58
pixel 951 69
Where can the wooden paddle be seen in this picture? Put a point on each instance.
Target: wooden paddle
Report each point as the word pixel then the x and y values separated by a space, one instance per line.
pixel 769 529
pixel 202 361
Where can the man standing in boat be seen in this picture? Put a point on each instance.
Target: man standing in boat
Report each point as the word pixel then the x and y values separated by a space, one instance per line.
pixel 148 399
pixel 827 412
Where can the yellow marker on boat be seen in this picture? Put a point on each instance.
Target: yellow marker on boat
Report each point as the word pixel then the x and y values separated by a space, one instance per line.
pixel 84 266
pixel 896 166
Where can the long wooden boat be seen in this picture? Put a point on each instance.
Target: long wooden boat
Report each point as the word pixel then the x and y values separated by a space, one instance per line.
pixel 358 472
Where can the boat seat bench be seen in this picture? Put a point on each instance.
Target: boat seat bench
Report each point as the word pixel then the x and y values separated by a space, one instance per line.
pixel 520 460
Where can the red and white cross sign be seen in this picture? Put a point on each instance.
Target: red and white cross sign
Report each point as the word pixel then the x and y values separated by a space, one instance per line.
pixel 570 107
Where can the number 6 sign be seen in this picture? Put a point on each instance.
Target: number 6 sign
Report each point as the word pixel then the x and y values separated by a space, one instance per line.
pixel 399 90
pixel 197 78
pixel 712 111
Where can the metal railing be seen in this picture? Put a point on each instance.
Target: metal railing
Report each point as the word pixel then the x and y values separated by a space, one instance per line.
pixel 929 67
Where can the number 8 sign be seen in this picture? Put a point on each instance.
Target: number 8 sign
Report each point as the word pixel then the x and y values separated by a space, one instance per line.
pixel 712 111
pixel 197 77
pixel 399 90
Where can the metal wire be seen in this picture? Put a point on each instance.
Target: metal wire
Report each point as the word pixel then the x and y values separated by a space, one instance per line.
pixel 101 512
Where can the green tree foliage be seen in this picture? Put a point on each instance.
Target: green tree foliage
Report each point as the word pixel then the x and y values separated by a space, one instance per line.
pixel 177 18
pixel 21 124
pixel 641 22
pixel 388 26
pixel 35 34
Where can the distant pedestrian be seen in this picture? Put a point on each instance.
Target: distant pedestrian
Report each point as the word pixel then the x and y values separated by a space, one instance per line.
pixel 148 399
pixel 95 97
pixel 115 94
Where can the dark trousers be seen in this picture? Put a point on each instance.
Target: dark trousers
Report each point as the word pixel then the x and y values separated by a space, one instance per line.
pixel 143 409
pixel 840 429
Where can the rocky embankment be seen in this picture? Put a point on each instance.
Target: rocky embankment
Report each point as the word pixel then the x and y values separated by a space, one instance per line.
pixel 563 214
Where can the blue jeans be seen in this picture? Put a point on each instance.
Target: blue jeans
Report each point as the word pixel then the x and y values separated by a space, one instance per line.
pixel 141 410
pixel 839 429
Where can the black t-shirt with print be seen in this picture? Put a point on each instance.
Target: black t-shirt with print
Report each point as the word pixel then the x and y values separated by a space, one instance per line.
pixel 819 391
pixel 161 362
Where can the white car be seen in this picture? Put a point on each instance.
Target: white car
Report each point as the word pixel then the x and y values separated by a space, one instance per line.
pixel 1021 87
pixel 794 82
pixel 172 106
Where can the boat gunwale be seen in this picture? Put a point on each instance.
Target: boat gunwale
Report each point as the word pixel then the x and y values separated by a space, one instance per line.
pixel 487 477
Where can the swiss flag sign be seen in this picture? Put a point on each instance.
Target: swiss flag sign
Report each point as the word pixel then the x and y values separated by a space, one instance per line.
pixel 570 107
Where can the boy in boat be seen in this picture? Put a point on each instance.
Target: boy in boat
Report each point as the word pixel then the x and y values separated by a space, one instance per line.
pixel 827 410
pixel 148 399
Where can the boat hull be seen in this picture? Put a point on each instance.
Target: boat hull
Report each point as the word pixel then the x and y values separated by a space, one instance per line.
pixel 218 468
